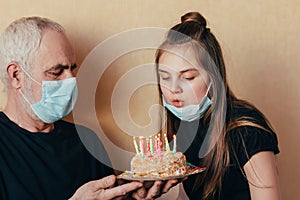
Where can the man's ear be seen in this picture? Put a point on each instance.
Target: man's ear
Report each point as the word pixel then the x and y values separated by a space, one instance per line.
pixel 14 75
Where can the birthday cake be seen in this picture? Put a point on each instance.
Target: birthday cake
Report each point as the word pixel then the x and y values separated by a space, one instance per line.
pixel 159 161
pixel 159 165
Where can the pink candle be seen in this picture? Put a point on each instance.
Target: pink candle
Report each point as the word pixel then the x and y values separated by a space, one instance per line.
pixel 148 145
pixel 159 143
pixel 156 144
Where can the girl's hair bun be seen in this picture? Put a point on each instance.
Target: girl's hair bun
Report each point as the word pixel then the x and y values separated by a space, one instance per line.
pixel 194 17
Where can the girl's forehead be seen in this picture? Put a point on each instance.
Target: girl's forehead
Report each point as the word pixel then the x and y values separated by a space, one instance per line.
pixel 182 57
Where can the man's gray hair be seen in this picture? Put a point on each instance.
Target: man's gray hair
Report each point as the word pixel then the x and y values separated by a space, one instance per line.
pixel 20 42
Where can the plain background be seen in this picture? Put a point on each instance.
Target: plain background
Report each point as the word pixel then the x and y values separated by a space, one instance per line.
pixel 259 40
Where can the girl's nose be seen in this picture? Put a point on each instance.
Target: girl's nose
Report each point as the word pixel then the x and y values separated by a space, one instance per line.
pixel 176 87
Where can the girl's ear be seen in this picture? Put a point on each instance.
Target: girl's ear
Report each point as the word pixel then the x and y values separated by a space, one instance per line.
pixel 14 74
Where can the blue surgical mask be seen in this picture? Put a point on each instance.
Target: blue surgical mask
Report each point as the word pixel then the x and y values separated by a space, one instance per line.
pixel 58 99
pixel 191 112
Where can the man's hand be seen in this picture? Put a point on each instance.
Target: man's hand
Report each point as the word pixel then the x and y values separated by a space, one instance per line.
pixel 157 189
pixel 103 189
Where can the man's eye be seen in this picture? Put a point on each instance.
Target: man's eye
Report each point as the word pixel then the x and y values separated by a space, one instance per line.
pixel 56 73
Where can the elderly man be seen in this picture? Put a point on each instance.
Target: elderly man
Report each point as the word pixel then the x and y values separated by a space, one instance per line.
pixel 42 156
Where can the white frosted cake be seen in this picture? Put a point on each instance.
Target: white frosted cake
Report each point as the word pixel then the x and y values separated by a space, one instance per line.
pixel 164 164
pixel 155 159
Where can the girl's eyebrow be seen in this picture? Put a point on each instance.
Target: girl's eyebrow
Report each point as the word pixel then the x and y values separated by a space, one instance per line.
pixel 160 70
pixel 188 70
pixel 181 72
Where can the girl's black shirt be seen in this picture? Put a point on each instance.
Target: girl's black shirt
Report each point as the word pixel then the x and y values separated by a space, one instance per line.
pixel 46 165
pixel 245 141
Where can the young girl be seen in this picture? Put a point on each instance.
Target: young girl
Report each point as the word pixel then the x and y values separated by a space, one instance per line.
pixel 215 129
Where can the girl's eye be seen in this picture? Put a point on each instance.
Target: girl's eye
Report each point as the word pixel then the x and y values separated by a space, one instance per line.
pixel 164 76
pixel 189 78
pixel 191 75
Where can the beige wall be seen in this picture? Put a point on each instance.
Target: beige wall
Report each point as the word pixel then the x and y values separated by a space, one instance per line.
pixel 259 39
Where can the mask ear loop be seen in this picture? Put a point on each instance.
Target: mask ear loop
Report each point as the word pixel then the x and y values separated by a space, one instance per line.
pixel 30 76
pixel 27 74
pixel 208 88
pixel 24 97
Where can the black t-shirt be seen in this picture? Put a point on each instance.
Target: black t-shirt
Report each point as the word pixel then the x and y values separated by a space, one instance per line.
pixel 245 142
pixel 46 165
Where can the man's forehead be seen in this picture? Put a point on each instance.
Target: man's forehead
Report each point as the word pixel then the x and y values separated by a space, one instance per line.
pixel 55 51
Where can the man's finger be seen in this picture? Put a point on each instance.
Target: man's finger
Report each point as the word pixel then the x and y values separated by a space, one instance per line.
pixel 168 185
pixel 104 183
pixel 154 190
pixel 121 190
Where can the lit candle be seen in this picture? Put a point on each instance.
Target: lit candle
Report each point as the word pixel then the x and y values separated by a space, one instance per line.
pixel 156 143
pixel 151 145
pixel 142 146
pixel 135 145
pixel 148 145
pixel 159 143
pixel 167 143
pixel 174 143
